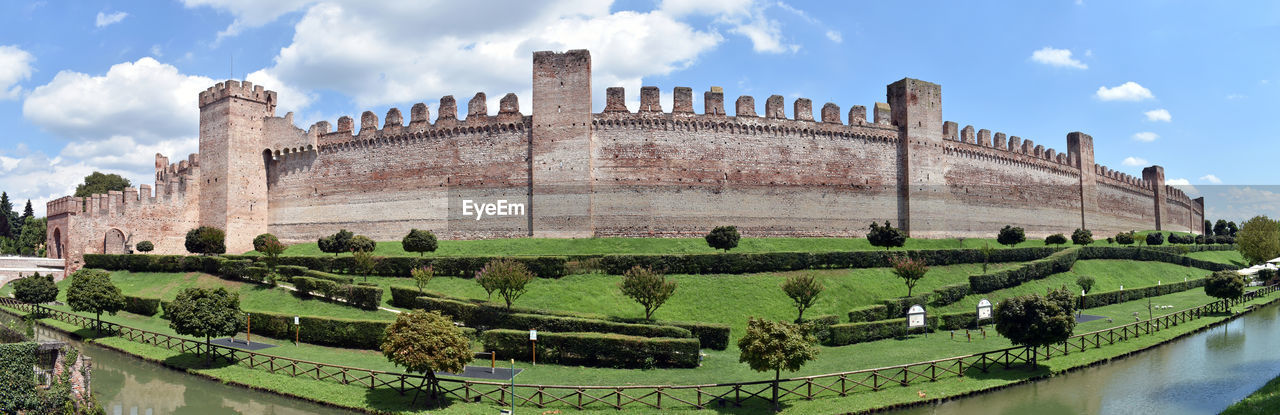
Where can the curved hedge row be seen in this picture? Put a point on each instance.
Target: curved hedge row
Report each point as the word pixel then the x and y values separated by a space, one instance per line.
pixel 141 305
pixel 542 266
pixel 1166 254
pixel 791 261
pixel 1061 261
pixel 596 349
pixel 485 316
pixel 1105 298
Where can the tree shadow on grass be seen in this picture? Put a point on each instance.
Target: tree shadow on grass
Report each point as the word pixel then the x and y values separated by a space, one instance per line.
pixel 390 400
pixel 1016 371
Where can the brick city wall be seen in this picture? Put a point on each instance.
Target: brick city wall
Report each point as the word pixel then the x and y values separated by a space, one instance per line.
pixel 793 170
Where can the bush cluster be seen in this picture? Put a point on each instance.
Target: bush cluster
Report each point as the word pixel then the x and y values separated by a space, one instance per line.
pixel 596 349
pixel 851 333
pixel 359 296
pixel 791 261
pixel 868 313
pixel 1055 239
pixel 141 305
pixel 1034 270
pixel 1099 299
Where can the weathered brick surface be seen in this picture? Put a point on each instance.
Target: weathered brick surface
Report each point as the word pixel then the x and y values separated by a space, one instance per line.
pixel 615 173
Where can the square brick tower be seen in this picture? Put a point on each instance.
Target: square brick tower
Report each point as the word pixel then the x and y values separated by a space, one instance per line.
pixel 561 145
pixel 916 110
pixel 233 174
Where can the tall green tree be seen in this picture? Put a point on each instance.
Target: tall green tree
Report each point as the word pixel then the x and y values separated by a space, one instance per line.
pixel 1033 320
pixel 99 183
pixel 28 212
pixel 426 342
pixel 6 217
pixel 650 289
pixel 1224 284
pixel 1208 228
pixel 1232 229
pixel 31 238
pixel 205 312
pixel 1220 227
pixel 771 345
pixel 91 291
pixel 1259 240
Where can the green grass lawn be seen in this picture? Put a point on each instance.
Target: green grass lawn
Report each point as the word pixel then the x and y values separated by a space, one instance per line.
pixel 605 246
pixel 1225 257
pixel 1264 401
pixel 1109 274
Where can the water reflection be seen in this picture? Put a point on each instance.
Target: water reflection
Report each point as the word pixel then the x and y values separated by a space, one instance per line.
pixel 1203 373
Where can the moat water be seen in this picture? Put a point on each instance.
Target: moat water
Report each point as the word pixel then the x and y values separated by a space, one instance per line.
pixel 1200 374
pixel 126 385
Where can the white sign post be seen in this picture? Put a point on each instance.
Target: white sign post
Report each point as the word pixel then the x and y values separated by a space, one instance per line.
pixel 916 318
pixel 533 345
pixel 984 310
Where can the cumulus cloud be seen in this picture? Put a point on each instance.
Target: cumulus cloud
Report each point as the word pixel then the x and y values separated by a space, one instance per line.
pixel 39 178
pixel 147 100
pixel 108 19
pixel 1184 185
pixel 1146 136
pixel 1158 115
pixel 249 13
pixel 1211 179
pixel 1128 91
pixel 1057 57
pixel 15 67
pixel 1239 203
pixel 1135 161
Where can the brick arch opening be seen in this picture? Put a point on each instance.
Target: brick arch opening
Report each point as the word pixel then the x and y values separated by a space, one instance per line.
pixel 268 167
pixel 57 243
pixel 114 242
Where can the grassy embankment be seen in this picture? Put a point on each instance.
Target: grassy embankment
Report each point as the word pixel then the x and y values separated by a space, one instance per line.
pixel 1264 401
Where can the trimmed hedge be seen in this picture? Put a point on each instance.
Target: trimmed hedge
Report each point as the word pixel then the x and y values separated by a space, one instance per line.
pixel 851 333
pixel 711 335
pixel 596 349
pixel 1105 298
pixel 1161 254
pixel 141 305
pixel 868 313
pixel 1061 261
pixel 360 296
pixel 958 321
pixel 485 316
pixel 897 307
pixel 325 331
pixel 949 294
pixel 329 277
pixel 791 261
pixel 543 266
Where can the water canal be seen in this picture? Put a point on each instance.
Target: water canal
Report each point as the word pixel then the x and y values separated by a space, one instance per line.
pixel 1200 374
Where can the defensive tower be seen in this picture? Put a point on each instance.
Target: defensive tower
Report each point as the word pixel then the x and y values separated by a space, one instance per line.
pixel 233 175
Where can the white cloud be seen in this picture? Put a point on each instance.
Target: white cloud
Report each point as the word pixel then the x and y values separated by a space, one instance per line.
pixel 1239 203
pixel 835 36
pixel 37 177
pixel 1235 96
pixel 105 19
pixel 1146 136
pixel 1184 185
pixel 249 13
pixel 15 67
pixel 1135 161
pixel 1211 179
pixel 1057 57
pixel 1128 91
pixel 1158 115
pixel 146 100
pixel 289 99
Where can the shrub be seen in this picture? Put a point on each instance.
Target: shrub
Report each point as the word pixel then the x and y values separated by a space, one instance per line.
pixel 145 246
pixel 337 243
pixel 1035 320
pixel 1155 238
pixel 324 331
pixel 791 261
pixel 425 343
pixel 1085 283
pixel 723 237
pixel 852 333
pixel 364 261
pixel 868 313
pixel 505 277
pixel 1106 298
pixel 1111 240
pixel 596 349
pixel 422 276
pixel 886 236
pixel 141 305
pixel 1124 238
pixel 261 240
pixel 1224 284
pixel 206 240
pixel 949 294
pixel 1160 254
pixel 419 241
pixel 1082 237
pixel 361 243
pixel 483 316
pixel 1055 239
pixel 770 345
pixel 646 287
pixel 803 291
pixel 271 249
pixel 1011 236
pixel 35 289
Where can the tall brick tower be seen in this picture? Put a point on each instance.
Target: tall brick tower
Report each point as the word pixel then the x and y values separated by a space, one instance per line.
pixel 561 144
pixel 1080 149
pixel 916 110
pixel 1155 176
pixel 233 173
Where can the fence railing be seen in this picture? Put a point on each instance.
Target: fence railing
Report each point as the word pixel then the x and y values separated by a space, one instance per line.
pixel 668 396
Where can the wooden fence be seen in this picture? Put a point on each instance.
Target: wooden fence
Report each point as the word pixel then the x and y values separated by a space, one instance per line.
pixel 668 396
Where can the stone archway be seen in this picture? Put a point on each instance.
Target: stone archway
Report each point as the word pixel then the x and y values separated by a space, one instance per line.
pixel 57 243
pixel 114 243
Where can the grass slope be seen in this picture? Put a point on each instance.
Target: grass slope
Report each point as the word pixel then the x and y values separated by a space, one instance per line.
pixel 1109 274
pixel 1264 401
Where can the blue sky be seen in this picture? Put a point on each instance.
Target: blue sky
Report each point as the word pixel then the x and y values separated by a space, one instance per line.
pixel 90 86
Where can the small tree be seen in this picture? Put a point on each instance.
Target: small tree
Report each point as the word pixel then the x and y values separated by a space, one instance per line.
pixel 1220 228
pixel 986 256
pixel 1208 228
pixel 1259 240
pixel 35 289
pixel 145 246
pixel 91 291
pixel 206 240
pixel 803 290
pixel 1055 239
pixel 337 243
pixel 886 236
pixel 647 287
pixel 205 312
pixel 361 243
pixel 1011 236
pixel 1232 229
pixel 426 342
pixel 422 276
pixel 419 241
pixel 1224 285
pixel 770 345
pixel 1155 238
pixel 365 263
pixel 270 248
pixel 723 237
pixel 1034 320
pixel 506 277
pixel 1111 240
pixel 909 269
pixel 1082 237
pixel 1124 238
pixel 1086 283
